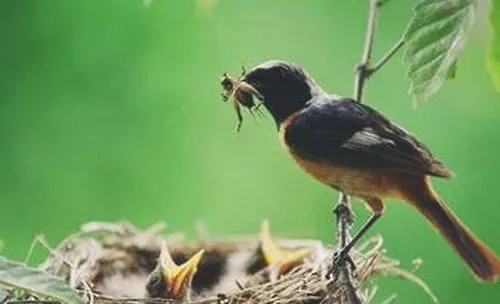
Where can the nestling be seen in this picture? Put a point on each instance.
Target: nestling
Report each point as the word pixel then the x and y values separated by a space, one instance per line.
pixel 170 280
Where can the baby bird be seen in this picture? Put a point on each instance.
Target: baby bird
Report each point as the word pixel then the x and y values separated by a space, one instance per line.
pixel 280 260
pixel 172 281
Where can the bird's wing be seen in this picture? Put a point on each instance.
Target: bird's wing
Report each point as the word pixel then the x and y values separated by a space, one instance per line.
pixel 350 134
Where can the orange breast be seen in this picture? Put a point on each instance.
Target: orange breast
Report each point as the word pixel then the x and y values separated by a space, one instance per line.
pixel 356 182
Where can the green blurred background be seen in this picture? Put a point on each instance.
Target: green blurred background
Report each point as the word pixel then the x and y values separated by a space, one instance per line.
pixel 110 110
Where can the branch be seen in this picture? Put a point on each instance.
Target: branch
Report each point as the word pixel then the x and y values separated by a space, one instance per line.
pixel 377 66
pixel 362 67
pixel 363 70
pixel 344 222
pixel 343 212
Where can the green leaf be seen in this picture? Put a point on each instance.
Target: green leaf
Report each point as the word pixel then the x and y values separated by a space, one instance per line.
pixel 452 71
pixel 4 293
pixel 34 281
pixel 493 58
pixel 433 40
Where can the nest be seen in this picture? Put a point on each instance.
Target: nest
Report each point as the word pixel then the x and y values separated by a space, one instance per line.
pixel 111 262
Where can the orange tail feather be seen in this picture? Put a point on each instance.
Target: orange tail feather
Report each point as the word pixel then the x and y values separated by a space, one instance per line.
pixel 483 262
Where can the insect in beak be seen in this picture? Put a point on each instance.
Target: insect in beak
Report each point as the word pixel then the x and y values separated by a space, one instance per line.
pixel 241 94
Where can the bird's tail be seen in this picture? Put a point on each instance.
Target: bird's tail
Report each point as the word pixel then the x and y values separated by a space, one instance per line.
pixel 481 260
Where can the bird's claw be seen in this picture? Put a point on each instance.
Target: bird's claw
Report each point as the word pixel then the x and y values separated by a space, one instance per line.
pixel 340 257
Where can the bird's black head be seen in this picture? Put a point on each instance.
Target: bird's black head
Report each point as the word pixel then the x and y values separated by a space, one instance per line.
pixel 285 87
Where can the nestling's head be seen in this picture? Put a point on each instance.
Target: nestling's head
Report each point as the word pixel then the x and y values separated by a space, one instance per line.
pixel 285 87
pixel 172 281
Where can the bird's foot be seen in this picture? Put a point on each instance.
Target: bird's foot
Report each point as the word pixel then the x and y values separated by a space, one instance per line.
pixel 339 260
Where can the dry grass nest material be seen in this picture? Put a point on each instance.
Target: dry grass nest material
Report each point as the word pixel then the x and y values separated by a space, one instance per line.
pixel 105 261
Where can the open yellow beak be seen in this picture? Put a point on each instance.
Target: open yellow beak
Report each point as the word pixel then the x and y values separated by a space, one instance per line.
pixel 178 277
pixel 283 259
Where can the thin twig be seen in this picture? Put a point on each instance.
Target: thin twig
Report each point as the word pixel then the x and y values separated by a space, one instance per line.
pixel 377 66
pixel 363 69
pixel 390 299
pixel 344 222
pixel 31 250
pixel 359 80
pixel 413 278
pixel 32 302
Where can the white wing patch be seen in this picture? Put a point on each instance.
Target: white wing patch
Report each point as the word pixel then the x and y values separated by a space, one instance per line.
pixel 366 138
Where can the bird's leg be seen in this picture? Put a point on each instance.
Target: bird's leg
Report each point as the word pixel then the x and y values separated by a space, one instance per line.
pixel 344 251
pixel 378 208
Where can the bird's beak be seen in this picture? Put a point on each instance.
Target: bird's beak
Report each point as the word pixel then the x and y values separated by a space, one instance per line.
pixel 178 277
pixel 248 88
pixel 283 260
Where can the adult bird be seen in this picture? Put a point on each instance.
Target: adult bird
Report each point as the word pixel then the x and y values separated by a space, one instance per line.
pixel 353 148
